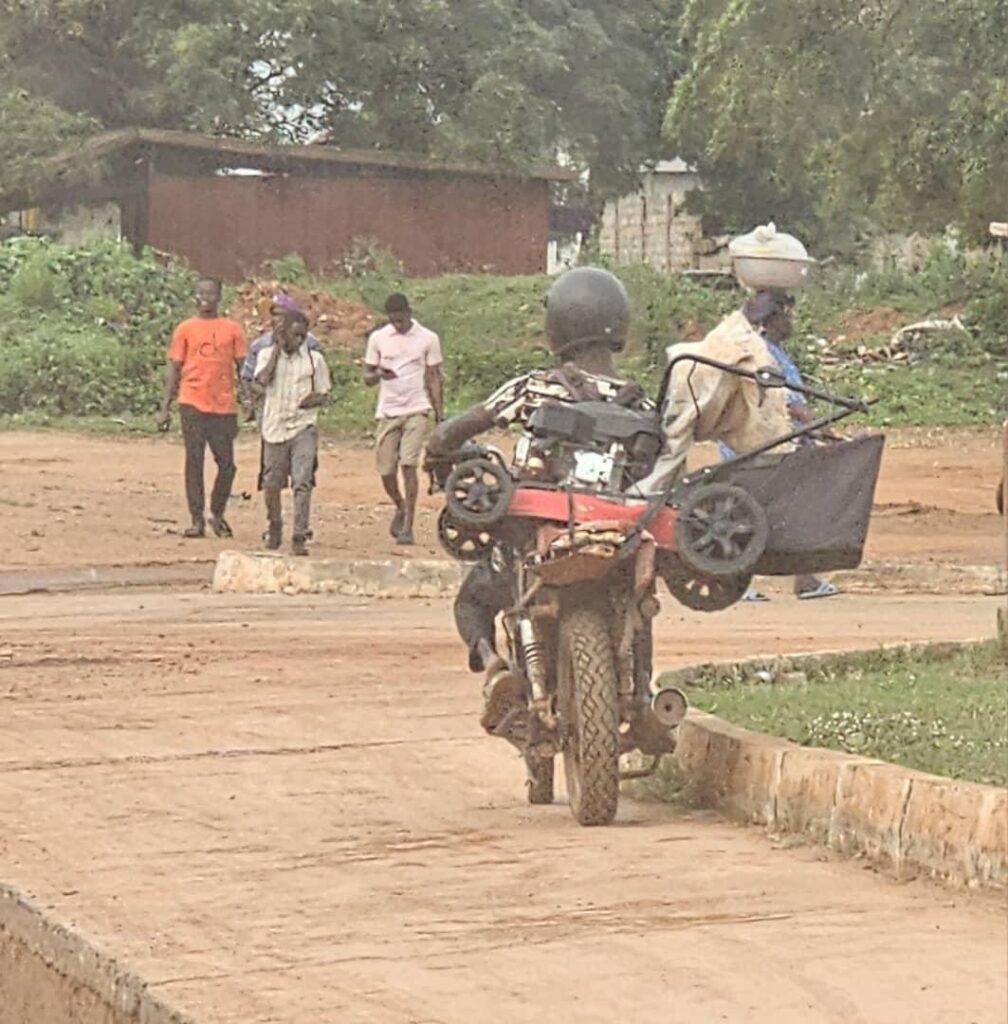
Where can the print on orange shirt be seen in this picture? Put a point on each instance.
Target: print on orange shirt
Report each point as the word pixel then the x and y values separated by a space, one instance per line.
pixel 207 350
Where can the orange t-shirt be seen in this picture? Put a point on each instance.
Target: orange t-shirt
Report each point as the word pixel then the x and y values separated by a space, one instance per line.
pixel 207 350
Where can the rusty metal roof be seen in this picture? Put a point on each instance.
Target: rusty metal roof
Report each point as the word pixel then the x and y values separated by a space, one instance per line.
pixel 79 163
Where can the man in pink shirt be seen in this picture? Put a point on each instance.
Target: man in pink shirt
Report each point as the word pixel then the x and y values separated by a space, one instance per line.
pixel 404 360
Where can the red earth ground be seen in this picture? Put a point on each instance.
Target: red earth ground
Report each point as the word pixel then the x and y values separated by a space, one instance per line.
pixel 281 810
pixel 71 500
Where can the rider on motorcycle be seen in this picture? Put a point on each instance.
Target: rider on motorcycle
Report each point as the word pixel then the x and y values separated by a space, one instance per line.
pixel 587 315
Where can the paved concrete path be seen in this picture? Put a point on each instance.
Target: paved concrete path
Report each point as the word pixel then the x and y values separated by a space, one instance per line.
pixel 282 810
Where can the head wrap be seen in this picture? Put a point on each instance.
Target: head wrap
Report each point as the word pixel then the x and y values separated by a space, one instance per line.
pixel 281 300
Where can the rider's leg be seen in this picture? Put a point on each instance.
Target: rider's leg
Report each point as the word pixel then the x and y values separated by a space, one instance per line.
pixel 485 592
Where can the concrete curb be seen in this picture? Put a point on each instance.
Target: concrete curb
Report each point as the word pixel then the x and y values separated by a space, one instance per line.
pixel 239 572
pixel 923 578
pixel 67 960
pixel 905 820
pixel 261 573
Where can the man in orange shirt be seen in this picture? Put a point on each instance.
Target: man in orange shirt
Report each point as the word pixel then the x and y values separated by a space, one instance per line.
pixel 204 359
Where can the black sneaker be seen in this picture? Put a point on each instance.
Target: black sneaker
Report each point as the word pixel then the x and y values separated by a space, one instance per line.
pixel 198 529
pixel 272 537
pixel 298 546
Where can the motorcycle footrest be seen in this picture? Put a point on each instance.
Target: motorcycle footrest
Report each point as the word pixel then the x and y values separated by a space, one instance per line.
pixel 628 775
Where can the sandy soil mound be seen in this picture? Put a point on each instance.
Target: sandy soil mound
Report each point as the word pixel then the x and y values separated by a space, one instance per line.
pixel 337 323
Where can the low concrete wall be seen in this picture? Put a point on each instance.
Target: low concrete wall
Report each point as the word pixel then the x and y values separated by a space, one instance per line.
pixel 238 572
pixel 51 975
pixel 909 821
pixel 260 573
pixel 923 578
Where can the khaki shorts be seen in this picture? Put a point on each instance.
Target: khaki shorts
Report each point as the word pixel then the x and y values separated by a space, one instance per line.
pixel 401 440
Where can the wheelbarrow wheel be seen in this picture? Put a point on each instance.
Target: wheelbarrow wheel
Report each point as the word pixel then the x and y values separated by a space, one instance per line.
pixel 699 592
pixel 478 492
pixel 721 531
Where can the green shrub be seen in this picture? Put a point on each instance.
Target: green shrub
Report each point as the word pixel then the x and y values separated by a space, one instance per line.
pixel 290 269
pixel 36 285
pixel 91 323
pixel 84 329
pixel 75 371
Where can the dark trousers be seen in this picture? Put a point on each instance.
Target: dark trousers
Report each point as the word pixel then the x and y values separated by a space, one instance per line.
pixel 484 593
pixel 295 462
pixel 218 430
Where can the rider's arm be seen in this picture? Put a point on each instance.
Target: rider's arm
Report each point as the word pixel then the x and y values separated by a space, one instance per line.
pixel 450 435
pixel 502 408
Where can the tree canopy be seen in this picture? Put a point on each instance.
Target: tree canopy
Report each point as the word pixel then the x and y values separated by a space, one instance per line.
pixel 837 118
pixel 833 116
pixel 513 81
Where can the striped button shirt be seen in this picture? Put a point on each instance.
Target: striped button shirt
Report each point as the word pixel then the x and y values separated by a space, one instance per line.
pixel 298 375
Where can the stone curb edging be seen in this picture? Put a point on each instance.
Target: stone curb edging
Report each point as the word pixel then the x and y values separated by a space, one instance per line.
pixel 15 583
pixel 259 573
pixel 906 820
pixel 240 572
pixel 72 957
pixel 923 578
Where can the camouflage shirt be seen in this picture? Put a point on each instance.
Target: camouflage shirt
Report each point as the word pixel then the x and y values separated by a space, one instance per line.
pixel 516 401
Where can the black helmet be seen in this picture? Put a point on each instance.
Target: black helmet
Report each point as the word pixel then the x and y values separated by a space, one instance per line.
pixel 587 306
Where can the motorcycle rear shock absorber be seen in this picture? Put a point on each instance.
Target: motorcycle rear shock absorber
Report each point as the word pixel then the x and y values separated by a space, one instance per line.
pixel 533 656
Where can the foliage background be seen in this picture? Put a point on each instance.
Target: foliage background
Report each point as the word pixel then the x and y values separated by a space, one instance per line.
pixel 509 81
pixel 840 120
pixel 83 332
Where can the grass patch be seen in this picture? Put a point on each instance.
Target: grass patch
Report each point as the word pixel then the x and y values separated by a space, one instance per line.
pixel 948 717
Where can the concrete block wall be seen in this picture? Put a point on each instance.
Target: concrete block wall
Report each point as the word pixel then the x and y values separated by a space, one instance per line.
pixel 650 226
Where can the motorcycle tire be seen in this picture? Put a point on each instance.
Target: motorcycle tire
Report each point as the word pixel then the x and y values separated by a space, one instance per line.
pixel 539 784
pixel 588 696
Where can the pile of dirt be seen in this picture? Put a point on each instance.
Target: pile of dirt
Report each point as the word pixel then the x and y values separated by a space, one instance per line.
pixel 858 325
pixel 337 323
pixel 899 348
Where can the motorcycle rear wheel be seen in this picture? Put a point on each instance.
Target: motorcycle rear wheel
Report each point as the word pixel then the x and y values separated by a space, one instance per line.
pixel 587 690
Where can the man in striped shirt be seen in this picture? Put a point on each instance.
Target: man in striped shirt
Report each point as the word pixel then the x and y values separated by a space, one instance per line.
pixel 294 383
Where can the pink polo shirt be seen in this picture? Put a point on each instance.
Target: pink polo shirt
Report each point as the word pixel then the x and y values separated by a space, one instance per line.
pixel 409 355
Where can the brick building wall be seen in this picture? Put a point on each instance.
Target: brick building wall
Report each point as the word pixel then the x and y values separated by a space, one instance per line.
pixel 227 226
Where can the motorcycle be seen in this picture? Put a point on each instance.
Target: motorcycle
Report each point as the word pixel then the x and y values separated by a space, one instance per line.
pixel 582 558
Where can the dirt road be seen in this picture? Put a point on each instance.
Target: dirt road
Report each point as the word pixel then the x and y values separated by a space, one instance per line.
pixel 281 811
pixel 71 501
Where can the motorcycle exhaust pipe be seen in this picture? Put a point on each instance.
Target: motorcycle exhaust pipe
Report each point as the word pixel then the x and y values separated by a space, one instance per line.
pixel 670 706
